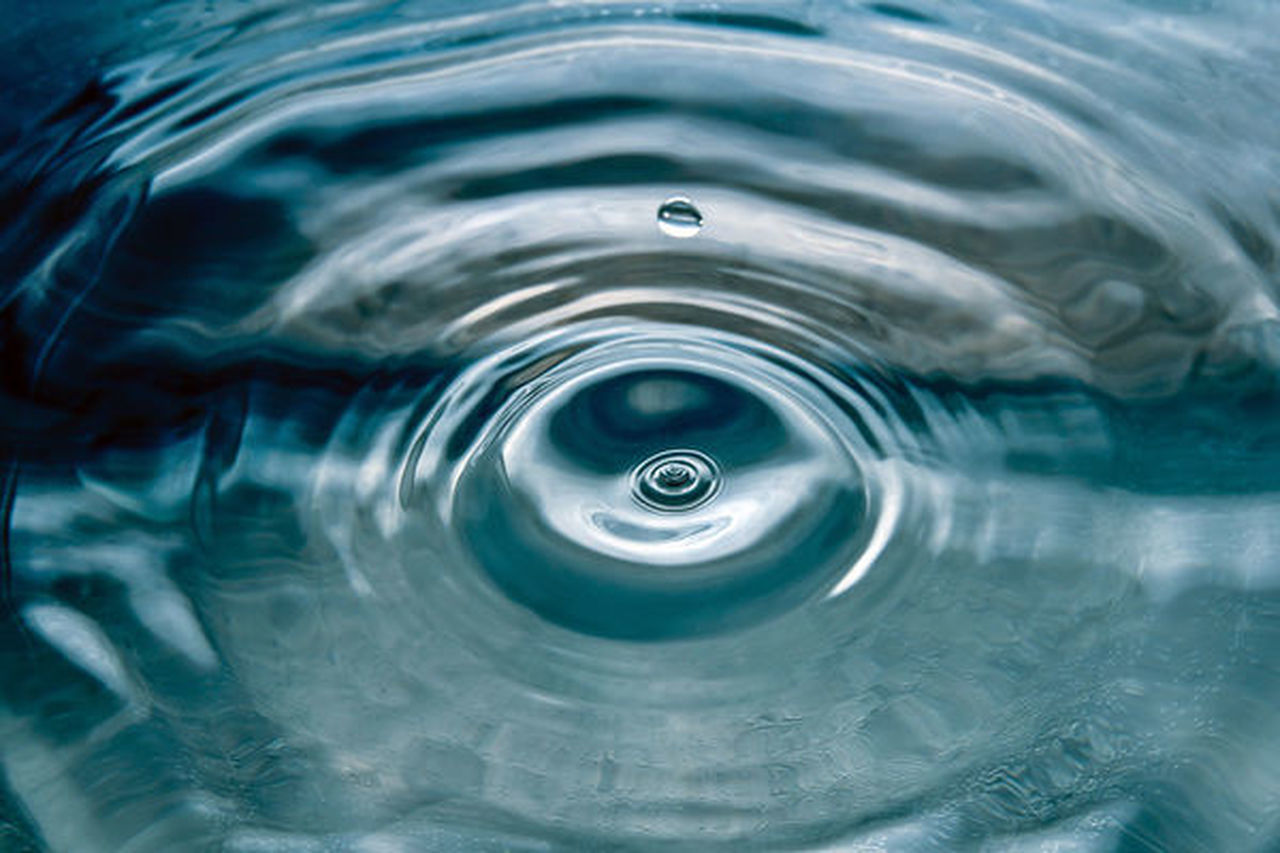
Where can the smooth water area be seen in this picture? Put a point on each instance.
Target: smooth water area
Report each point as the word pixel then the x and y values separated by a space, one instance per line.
pixel 623 426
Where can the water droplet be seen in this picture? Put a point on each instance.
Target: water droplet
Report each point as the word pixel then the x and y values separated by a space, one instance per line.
pixel 675 480
pixel 677 217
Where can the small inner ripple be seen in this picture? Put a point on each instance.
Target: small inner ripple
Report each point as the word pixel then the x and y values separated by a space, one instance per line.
pixel 676 480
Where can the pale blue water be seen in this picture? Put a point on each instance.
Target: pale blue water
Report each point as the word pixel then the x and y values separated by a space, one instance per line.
pixel 616 426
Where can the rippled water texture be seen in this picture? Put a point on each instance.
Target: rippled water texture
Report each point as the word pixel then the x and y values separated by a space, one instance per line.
pixel 593 425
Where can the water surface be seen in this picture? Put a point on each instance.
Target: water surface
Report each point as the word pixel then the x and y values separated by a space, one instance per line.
pixel 745 426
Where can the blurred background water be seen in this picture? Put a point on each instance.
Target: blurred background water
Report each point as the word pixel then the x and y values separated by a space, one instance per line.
pixel 605 425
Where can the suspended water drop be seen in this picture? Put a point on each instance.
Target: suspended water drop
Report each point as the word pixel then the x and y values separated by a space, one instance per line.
pixel 677 217
pixel 676 480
